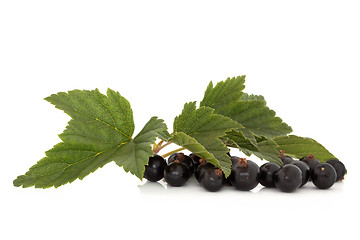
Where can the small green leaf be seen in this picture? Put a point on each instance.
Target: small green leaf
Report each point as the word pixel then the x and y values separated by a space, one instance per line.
pixel 301 147
pixel 265 149
pixel 194 146
pixel 134 155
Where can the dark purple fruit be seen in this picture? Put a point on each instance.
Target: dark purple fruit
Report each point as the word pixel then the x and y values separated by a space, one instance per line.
pixel 266 174
pixel 288 178
pixel 183 159
pixel 201 169
pixel 305 171
pixel 311 161
pixel 154 171
pixel 323 175
pixel 213 179
pixel 284 158
pixel 176 174
pixel 244 175
pixel 339 168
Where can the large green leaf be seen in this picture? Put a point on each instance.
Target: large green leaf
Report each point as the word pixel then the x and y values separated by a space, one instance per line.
pixel 248 110
pixel 100 127
pixel 206 128
pixel 301 147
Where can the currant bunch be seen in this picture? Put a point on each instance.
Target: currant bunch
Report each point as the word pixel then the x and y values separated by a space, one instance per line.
pixel 245 174
pixel 296 173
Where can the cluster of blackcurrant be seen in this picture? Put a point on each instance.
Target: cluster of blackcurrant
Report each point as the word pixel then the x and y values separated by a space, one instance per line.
pixel 178 169
pixel 296 173
pixel 245 174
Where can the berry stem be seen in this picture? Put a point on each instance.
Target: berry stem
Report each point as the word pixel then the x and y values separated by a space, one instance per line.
pixel 171 152
pixel 160 143
pixel 242 162
pixel 159 147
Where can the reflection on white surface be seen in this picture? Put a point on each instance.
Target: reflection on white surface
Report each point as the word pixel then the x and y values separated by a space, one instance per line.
pixel 193 188
pixel 150 188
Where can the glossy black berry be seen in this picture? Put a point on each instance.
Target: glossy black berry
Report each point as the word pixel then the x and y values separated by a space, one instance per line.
pixel 244 175
pixel 339 168
pixel 284 158
pixel 154 171
pixel 288 178
pixel 176 174
pixel 323 175
pixel 183 159
pixel 201 170
pixel 311 161
pixel 266 174
pixel 305 171
pixel 213 179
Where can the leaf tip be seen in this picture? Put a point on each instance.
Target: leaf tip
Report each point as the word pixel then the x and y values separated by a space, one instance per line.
pixel 17 182
pixel 24 181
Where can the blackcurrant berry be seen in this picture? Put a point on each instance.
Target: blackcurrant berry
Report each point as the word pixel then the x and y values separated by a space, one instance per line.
pixel 311 161
pixel 183 159
pixel 266 174
pixel 339 168
pixel 176 174
pixel 288 178
pixel 305 171
pixel 244 175
pixel 201 169
pixel 154 171
pixel 213 179
pixel 285 158
pixel 323 175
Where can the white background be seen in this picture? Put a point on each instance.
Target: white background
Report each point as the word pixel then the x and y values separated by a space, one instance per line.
pixel 303 57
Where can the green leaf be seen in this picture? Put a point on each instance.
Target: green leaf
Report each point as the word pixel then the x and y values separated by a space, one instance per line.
pixel 100 127
pixel 265 149
pixel 206 128
pixel 248 110
pixel 301 147
pixel 192 145
pixel 112 112
pixel 224 94
pixel 256 117
pixel 134 155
